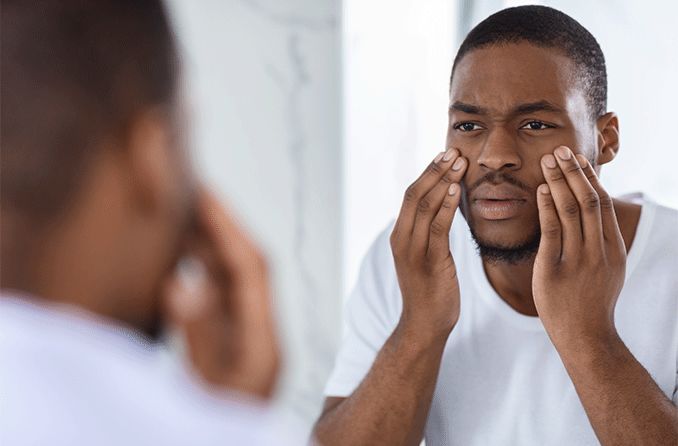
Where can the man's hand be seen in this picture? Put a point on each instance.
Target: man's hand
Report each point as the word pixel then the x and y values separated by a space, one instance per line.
pixel 580 265
pixel 221 305
pixel 420 245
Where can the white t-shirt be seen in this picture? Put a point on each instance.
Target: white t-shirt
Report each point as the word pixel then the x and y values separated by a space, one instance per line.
pixel 70 378
pixel 501 381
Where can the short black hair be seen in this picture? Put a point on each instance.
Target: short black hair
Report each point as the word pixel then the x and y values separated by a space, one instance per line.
pixel 74 75
pixel 546 27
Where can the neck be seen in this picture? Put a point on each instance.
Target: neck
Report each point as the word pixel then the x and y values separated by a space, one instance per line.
pixel 513 282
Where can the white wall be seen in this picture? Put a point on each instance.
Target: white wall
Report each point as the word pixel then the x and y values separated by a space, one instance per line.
pixel 264 80
pixel 397 55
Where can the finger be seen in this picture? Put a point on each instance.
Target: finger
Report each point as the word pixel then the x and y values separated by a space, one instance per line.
pixel 608 216
pixel 566 204
pixel 550 245
pixel 192 307
pixel 430 205
pixel 416 191
pixel 231 244
pixel 439 239
pixel 245 292
pixel 586 196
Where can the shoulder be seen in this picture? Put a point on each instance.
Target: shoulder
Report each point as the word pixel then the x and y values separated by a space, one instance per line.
pixel 376 290
pixel 655 237
pixel 651 258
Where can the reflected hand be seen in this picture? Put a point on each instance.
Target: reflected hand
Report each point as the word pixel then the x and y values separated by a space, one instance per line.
pixel 420 244
pixel 580 265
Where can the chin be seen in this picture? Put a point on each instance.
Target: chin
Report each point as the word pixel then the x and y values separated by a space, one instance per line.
pixel 512 241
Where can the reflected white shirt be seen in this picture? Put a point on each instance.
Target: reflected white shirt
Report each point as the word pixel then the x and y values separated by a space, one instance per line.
pixel 501 380
pixel 68 377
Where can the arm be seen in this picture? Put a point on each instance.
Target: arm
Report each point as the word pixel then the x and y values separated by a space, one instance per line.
pixel 391 405
pixel 623 403
pixel 578 275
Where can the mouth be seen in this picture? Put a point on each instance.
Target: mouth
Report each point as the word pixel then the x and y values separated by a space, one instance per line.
pixel 498 208
pixel 498 201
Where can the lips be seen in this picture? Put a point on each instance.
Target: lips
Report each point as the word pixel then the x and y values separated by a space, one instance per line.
pixel 498 202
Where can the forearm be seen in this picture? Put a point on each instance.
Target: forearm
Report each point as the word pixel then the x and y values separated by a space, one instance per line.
pixel 623 403
pixel 391 405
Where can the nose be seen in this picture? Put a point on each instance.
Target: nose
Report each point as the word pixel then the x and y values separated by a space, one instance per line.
pixel 500 151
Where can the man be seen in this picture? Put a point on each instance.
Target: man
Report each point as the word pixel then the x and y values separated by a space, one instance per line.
pixel 98 207
pixel 564 330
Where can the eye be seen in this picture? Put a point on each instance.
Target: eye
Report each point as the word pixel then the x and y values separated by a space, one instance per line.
pixel 467 126
pixel 536 125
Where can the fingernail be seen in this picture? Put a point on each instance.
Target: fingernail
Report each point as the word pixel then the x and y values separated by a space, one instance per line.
pixel 544 189
pixel 458 164
pixel 453 189
pixel 448 155
pixel 549 161
pixel 563 153
pixel 582 160
pixel 438 157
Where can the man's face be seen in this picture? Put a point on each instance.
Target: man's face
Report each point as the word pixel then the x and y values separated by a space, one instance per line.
pixel 510 105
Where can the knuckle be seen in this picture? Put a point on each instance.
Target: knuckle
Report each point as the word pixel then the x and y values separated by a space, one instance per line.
pixel 435 169
pixel 393 238
pixel 548 204
pixel 396 245
pixel 448 178
pixel 551 231
pixel 571 209
pixel 446 204
pixel 590 175
pixel 556 175
pixel 437 228
pixel 605 202
pixel 411 194
pixel 424 205
pixel 572 167
pixel 590 201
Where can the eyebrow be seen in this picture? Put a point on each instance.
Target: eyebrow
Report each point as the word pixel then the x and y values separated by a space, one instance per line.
pixel 468 108
pixel 521 109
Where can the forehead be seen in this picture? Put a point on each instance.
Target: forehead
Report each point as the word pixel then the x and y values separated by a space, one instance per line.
pixel 499 76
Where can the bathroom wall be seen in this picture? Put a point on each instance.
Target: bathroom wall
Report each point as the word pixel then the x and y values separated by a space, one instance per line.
pixel 264 82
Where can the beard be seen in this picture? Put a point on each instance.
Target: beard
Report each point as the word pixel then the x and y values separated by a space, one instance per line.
pixel 494 251
pixel 513 254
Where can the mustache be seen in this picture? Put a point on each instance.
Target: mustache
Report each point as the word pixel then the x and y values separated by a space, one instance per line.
pixel 496 178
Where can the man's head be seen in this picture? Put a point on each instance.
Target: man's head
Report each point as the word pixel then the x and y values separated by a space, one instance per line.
pixel 94 179
pixel 525 81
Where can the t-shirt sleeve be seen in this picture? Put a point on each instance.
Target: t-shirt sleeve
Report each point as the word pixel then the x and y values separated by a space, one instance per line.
pixel 370 315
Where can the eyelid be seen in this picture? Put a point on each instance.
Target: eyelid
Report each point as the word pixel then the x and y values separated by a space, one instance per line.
pixel 457 125
pixel 546 124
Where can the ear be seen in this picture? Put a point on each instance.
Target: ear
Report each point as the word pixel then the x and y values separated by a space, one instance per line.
pixel 607 129
pixel 149 161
